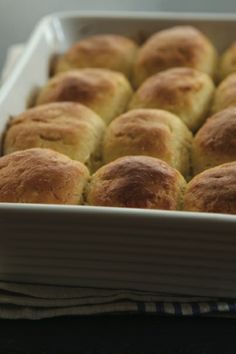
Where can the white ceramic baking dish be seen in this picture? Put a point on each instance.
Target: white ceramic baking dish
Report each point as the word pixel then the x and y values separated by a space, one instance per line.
pixel 169 252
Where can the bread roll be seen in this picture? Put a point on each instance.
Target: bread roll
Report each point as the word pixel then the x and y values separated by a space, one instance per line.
pixel 150 132
pixel 180 46
pixel 183 91
pixel 108 51
pixel 215 143
pixel 41 176
pixel 225 94
pixel 137 182
pixel 104 91
pixel 66 127
pixel 213 190
pixel 228 62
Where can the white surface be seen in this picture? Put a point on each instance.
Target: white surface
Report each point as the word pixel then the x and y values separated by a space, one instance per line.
pixel 175 252
pixel 13 56
pixel 19 17
pixel 167 252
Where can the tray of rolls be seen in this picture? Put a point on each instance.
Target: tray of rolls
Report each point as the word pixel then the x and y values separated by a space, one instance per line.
pixel 118 154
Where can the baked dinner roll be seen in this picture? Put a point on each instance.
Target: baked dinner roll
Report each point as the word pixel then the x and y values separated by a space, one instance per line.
pixel 104 91
pixel 151 132
pixel 41 176
pixel 183 91
pixel 215 143
pixel 67 127
pixel 181 46
pixel 108 51
pixel 225 94
pixel 228 62
pixel 213 190
pixel 137 182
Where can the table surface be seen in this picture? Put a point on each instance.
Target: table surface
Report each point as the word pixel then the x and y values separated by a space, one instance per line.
pixel 118 334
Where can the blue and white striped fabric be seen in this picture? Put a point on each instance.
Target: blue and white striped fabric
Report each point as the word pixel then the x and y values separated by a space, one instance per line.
pixel 27 301
pixel 187 308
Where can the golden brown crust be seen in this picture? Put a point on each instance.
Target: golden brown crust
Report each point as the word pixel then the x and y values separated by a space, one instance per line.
pixel 215 143
pixel 150 132
pixel 213 190
pixel 225 94
pixel 109 51
pixel 180 46
pixel 104 91
pixel 69 128
pixel 183 91
pixel 77 86
pixel 41 176
pixel 137 182
pixel 228 62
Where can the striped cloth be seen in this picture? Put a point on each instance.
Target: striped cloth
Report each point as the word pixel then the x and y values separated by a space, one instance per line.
pixel 26 301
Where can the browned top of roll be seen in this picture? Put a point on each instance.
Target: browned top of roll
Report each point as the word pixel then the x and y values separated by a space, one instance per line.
pixel 137 182
pixel 168 85
pixel 213 190
pixel 228 62
pixel 80 86
pixel 41 176
pixel 218 134
pixel 180 46
pixel 225 94
pixel 184 91
pixel 140 130
pixel 100 51
pixel 58 114
pixel 151 132
pixel 105 91
pixel 67 127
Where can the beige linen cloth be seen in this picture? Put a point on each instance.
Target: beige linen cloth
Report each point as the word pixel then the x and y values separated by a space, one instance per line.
pixel 27 301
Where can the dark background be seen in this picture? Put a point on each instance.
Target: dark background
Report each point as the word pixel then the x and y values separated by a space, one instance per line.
pixel 136 334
